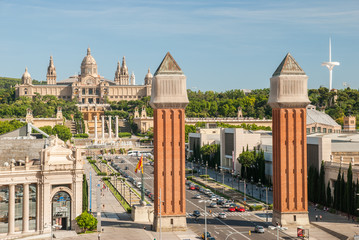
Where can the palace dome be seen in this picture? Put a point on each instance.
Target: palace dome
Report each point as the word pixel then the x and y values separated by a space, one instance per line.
pixel 88 65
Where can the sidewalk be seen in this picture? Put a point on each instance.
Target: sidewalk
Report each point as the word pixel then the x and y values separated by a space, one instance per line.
pixel 117 223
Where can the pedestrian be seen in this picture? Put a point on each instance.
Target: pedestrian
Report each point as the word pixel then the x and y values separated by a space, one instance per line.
pixel 99 236
pixel 320 217
pixel 352 218
pixel 316 218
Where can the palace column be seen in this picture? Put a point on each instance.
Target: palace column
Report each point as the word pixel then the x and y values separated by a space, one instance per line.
pixel 288 99
pixel 25 209
pixel 103 127
pixel 11 219
pixel 95 128
pixel 116 127
pixel 109 127
pixel 169 100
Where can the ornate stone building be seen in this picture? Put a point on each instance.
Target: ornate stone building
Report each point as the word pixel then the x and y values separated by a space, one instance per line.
pixel 88 87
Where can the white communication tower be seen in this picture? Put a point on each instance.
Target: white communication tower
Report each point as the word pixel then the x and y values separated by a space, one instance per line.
pixel 330 65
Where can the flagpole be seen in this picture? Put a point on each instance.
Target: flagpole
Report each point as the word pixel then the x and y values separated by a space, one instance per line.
pixel 142 188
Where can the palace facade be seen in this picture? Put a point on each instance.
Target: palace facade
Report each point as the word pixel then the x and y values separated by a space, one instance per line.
pixel 88 87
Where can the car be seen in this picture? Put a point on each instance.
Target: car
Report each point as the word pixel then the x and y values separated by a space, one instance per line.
pixel 220 202
pixel 197 187
pixel 240 209
pixel 231 209
pixel 214 198
pixel 198 196
pixel 122 161
pixel 188 182
pixel 259 229
pixel 196 213
pixel 222 215
pixel 192 187
pixel 213 205
pixel 126 168
pixel 226 205
pixel 208 235
pixel 150 195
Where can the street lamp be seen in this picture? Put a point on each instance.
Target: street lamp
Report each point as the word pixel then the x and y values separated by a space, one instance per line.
pixel 216 171
pixel 252 184
pixel 260 190
pixel 278 228
pixel 232 177
pixel 267 204
pixel 206 171
pixel 205 217
pixel 222 179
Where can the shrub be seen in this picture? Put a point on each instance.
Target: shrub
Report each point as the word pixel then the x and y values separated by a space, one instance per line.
pixel 88 158
pixel 102 174
pixel 105 178
pixel 86 221
pixel 104 161
pixel 189 178
pixel 255 208
pixel 124 134
pixel 270 207
pixel 81 135
pixel 204 176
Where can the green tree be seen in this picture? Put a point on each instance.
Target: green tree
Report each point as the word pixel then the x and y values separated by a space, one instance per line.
pixel 62 132
pixel 329 196
pixel 47 129
pixel 247 160
pixel 86 221
pixel 321 185
pixel 349 190
pixel 84 194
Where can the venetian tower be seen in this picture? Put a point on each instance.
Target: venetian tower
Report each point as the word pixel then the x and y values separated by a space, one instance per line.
pixel 288 99
pixel 51 73
pixel 169 100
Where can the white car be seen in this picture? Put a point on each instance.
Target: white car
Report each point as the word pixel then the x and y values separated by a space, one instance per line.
pixel 213 198
pixel 213 205
pixel 222 215
pixel 198 196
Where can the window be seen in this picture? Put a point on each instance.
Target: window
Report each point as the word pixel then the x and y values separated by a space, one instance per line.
pixel 25 91
pixel 19 199
pixel 90 91
pixel 97 91
pixel 308 130
pixel 32 206
pixel 83 91
pixel 329 130
pixel 324 130
pixel 4 206
pixel 313 129
pixel 319 129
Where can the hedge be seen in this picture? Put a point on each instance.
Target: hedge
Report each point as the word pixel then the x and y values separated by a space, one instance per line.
pixel 124 134
pixel 81 135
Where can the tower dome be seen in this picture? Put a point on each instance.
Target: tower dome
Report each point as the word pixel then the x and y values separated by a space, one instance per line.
pixel 148 78
pixel 26 77
pixel 88 65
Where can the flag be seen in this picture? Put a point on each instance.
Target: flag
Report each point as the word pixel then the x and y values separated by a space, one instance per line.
pixel 139 165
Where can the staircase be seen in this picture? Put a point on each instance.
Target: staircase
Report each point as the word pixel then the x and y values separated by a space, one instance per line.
pixel 72 125
pixel 91 127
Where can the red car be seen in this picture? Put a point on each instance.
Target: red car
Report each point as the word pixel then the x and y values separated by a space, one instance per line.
pixel 231 209
pixel 192 187
pixel 241 209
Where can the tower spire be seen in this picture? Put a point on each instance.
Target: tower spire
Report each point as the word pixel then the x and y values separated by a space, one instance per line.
pixel 330 65
pixel 51 73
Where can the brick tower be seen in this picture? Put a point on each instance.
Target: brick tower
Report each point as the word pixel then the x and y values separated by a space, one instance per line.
pixel 288 99
pixel 169 100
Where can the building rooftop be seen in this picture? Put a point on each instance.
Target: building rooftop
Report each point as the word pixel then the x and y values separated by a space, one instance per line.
pixel 314 116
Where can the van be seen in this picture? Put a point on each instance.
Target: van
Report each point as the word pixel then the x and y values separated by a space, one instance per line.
pixel 139 184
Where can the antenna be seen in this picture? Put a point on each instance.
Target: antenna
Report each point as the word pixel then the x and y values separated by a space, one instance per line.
pixel 330 65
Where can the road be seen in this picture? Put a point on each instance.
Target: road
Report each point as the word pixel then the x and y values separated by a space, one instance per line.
pixel 237 224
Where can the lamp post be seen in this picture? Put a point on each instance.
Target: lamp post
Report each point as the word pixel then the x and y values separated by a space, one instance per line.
pixel 245 187
pixel 192 167
pixel 252 185
pixel 205 217
pixel 216 171
pixel 232 178
pixel 206 171
pixel 267 205
pixel 260 190
pixel 222 180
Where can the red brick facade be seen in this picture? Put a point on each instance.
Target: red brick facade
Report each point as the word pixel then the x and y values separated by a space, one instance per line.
pixel 169 155
pixel 289 160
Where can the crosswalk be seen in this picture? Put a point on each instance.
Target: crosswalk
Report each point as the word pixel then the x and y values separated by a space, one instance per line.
pixel 215 214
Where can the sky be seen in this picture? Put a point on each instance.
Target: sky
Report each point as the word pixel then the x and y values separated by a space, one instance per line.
pixel 219 45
